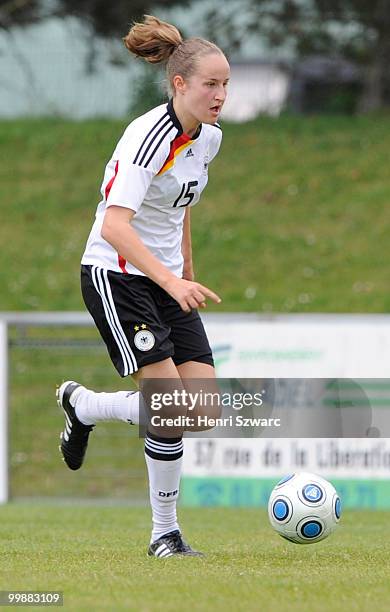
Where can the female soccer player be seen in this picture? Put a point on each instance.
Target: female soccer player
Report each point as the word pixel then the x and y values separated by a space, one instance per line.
pixel 137 275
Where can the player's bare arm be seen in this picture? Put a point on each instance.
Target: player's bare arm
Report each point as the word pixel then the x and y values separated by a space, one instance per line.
pixel 186 247
pixel 117 230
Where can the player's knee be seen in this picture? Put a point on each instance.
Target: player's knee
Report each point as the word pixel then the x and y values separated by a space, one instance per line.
pixel 206 407
pixel 166 412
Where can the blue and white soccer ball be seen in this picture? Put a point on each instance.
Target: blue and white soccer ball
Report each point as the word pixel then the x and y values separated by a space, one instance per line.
pixel 304 508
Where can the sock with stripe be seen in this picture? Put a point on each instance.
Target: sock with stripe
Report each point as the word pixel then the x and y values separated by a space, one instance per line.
pixel 91 407
pixel 164 458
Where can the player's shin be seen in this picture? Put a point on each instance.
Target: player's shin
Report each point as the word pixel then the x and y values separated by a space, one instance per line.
pixel 164 457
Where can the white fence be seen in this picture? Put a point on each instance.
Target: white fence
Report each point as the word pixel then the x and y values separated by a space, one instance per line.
pixel 22 320
pixel 246 346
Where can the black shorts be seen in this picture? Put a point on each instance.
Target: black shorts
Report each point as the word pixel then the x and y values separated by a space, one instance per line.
pixel 140 322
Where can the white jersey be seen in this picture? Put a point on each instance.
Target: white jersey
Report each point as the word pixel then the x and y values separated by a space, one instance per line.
pixel 156 170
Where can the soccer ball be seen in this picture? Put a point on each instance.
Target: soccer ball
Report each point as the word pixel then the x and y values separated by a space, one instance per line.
pixel 304 508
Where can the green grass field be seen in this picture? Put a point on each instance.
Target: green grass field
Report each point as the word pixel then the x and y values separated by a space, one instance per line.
pixel 97 557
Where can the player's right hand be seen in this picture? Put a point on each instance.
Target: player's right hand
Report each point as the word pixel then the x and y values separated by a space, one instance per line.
pixel 190 294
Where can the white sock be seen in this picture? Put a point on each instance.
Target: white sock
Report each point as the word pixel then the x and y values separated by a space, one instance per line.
pixel 164 458
pixel 91 407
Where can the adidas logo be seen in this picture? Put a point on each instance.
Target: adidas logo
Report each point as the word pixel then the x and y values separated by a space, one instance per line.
pixel 189 153
pixel 163 551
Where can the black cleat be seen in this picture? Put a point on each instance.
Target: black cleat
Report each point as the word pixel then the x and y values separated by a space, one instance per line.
pixel 172 544
pixel 74 438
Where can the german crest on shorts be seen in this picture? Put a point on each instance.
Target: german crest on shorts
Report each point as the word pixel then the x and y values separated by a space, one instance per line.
pixel 143 339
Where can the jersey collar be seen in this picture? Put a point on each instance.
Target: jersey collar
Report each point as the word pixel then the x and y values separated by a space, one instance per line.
pixel 176 122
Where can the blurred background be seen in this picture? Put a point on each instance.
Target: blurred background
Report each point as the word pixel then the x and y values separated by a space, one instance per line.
pixel 292 230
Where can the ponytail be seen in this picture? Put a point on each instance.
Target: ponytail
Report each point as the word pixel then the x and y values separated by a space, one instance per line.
pixel 154 40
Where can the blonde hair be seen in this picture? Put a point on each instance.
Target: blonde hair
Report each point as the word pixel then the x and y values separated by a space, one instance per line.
pixel 159 42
